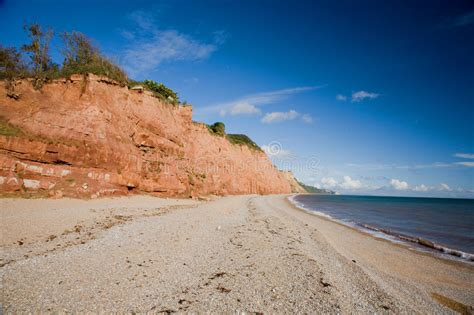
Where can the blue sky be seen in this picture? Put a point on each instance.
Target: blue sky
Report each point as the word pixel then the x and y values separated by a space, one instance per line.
pixel 362 97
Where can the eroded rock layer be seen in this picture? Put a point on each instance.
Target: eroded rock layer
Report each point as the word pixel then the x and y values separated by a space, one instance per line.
pixel 93 138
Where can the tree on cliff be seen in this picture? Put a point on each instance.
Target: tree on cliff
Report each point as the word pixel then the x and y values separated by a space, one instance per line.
pixel 38 51
pixel 80 56
pixel 218 128
pixel 11 64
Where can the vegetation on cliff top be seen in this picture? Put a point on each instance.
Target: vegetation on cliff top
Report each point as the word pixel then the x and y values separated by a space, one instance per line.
pixel 242 140
pixel 218 129
pixel 159 90
pixel 81 57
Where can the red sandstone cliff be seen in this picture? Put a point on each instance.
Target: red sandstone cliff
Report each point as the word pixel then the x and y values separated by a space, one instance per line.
pixel 95 139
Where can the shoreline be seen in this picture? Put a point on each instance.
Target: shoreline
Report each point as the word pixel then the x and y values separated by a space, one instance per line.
pixel 245 253
pixel 419 245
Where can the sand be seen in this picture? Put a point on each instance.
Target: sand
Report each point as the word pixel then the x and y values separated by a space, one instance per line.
pixel 248 254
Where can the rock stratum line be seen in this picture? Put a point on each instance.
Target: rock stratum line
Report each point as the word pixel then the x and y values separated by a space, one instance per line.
pixel 90 138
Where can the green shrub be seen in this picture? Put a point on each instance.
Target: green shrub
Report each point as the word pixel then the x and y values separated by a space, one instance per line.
pixel 81 57
pixel 161 91
pixel 11 65
pixel 217 128
pixel 242 140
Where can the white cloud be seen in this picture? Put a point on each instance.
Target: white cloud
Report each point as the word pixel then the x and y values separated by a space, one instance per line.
pixel 243 108
pixel 350 183
pixel 347 183
pixel 307 118
pixel 421 188
pixel 465 155
pixel 398 184
pixel 392 187
pixel 444 186
pixel 341 97
pixel 150 46
pixel 396 166
pixel 220 37
pixel 422 166
pixel 143 19
pixel 466 164
pixel 328 182
pixel 276 153
pixel 254 101
pixel 361 95
pixel 279 116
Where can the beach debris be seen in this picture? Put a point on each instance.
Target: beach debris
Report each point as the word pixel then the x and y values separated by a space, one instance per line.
pixel 223 289
pixel 324 283
pixel 218 275
pixel 163 310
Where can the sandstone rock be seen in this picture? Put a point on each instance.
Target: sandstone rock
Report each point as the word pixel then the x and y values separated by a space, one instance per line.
pixel 295 186
pixel 65 173
pixel 12 184
pixel 55 194
pixel 126 141
pixel 31 184
pixel 47 185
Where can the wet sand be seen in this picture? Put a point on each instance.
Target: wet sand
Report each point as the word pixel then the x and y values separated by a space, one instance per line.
pixel 234 254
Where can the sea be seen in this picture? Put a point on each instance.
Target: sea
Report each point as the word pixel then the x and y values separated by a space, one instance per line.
pixel 438 225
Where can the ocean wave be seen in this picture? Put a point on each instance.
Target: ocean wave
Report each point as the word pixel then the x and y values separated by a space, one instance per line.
pixel 420 243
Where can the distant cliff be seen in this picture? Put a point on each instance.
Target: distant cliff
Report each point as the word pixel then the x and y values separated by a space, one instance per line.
pixel 299 187
pixel 89 138
pixel 314 190
pixel 296 186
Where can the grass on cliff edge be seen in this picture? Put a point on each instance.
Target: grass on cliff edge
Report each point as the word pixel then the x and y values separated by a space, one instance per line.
pixel 242 140
pixel 218 129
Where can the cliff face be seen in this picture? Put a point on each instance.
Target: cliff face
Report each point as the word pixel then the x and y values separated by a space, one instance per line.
pixel 98 138
pixel 294 184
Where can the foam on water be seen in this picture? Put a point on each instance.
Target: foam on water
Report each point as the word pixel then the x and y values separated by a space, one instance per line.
pixel 417 243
